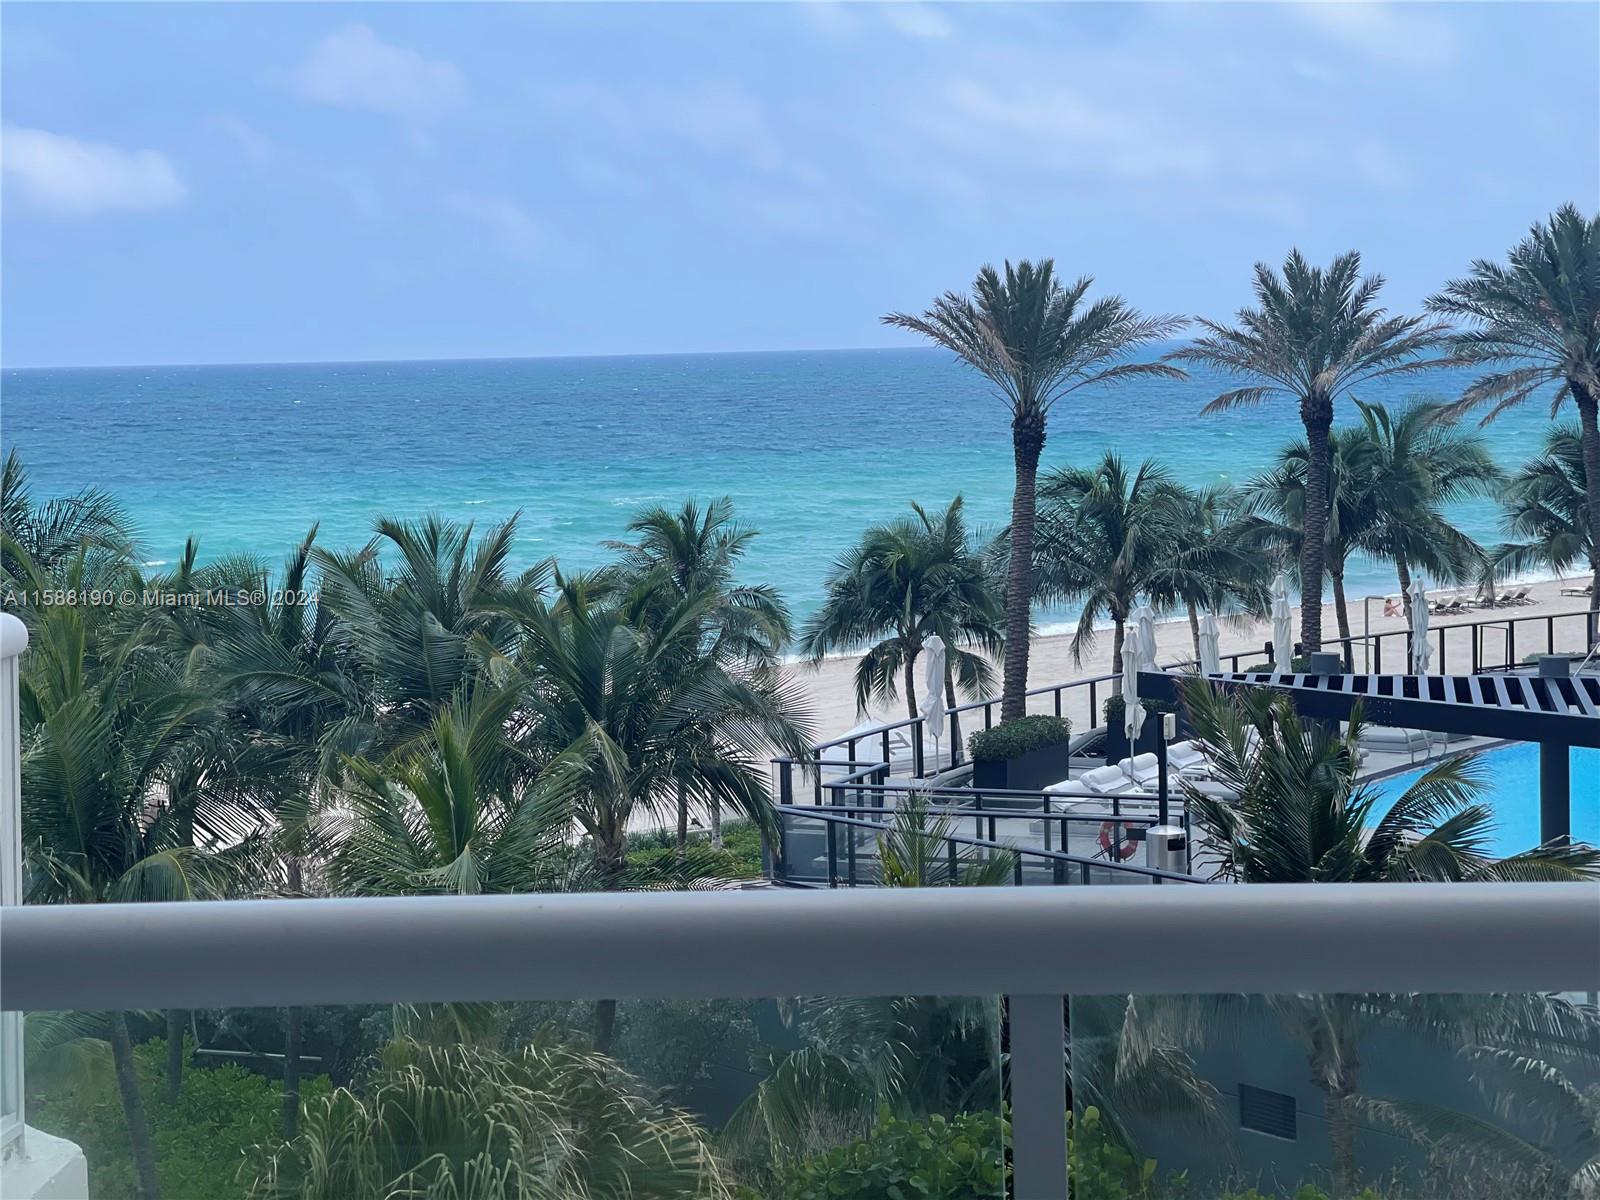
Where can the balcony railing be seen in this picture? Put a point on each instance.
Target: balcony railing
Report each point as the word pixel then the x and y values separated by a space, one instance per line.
pixel 1034 946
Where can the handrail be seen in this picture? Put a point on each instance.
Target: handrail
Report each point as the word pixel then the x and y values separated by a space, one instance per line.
pixel 1548 619
pixel 836 816
pixel 1254 938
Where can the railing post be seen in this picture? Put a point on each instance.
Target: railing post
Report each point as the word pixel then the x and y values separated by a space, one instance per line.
pixel 1038 1097
pixel 833 853
pixel 13 640
pixel 919 759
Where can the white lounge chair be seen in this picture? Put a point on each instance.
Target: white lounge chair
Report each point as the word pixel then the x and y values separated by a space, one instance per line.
pixel 1106 781
pixel 1142 768
pixel 1185 756
pixel 1387 739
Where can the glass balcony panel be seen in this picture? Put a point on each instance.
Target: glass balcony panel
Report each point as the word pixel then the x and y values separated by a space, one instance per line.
pixel 696 1099
pixel 1381 1097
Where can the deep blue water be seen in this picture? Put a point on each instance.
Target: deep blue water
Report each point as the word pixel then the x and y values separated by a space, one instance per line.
pixel 811 446
pixel 1512 775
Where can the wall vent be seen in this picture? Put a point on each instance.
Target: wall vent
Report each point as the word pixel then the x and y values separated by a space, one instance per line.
pixel 1271 1113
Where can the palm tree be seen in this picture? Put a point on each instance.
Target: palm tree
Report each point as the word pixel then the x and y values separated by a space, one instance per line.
pixel 1212 563
pixel 420 610
pixel 1534 321
pixel 1416 465
pixel 631 713
pixel 107 720
pixel 546 1122
pixel 50 534
pixel 901 584
pixel 1546 507
pixel 1314 336
pixel 431 820
pixel 1104 535
pixel 1273 504
pixel 1546 1093
pixel 1301 816
pixel 1037 343
pixel 698 550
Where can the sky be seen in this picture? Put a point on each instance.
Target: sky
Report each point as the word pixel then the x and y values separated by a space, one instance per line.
pixel 261 182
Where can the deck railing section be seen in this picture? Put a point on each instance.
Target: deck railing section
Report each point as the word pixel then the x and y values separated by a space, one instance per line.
pixel 1034 946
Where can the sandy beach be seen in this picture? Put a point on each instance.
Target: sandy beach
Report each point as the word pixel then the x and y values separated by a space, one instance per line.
pixel 830 689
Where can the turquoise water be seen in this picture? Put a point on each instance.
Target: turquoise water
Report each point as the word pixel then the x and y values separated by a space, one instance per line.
pixel 812 447
pixel 1513 794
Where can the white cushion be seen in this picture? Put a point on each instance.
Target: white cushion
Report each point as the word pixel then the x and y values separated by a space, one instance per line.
pixel 1183 755
pixel 1141 768
pixel 1104 780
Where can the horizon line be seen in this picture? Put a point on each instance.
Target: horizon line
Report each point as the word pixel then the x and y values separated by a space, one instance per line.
pixel 475 358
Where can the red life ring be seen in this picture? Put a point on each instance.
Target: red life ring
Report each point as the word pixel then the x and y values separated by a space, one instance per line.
pixel 1126 850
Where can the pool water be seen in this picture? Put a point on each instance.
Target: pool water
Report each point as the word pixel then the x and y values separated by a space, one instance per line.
pixel 1512 777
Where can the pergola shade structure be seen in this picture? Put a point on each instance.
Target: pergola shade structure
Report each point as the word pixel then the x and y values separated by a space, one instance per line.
pixel 1558 712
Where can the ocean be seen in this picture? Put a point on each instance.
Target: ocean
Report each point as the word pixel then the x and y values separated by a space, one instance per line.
pixel 811 446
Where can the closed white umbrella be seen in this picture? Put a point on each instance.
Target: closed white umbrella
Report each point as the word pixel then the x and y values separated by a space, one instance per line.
pixel 1144 619
pixel 934 657
pixel 1421 649
pixel 1282 623
pixel 1132 710
pixel 1210 645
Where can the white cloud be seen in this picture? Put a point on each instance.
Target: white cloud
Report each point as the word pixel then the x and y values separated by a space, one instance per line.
pixel 1405 36
pixel 503 218
pixel 65 175
pixel 355 68
pixel 252 143
pixel 916 20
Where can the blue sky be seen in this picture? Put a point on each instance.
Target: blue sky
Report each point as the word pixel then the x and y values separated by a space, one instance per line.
pixel 258 182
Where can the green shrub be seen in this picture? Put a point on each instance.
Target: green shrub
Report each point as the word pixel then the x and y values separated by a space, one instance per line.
pixel 961 1158
pixel 200 1143
pixel 1018 736
pixel 739 858
pixel 1116 706
pixel 937 1159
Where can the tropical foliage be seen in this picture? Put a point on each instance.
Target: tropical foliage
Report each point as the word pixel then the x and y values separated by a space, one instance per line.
pixel 550 1122
pixel 1313 336
pixel 1036 342
pixel 900 585
pixel 1534 323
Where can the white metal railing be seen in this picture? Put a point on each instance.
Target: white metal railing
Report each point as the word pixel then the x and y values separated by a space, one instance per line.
pixel 13 640
pixel 1035 946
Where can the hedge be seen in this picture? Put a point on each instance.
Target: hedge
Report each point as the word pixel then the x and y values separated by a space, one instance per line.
pixel 1016 737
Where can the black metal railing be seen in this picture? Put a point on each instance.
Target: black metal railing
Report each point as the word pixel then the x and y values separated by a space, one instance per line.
pixel 836 847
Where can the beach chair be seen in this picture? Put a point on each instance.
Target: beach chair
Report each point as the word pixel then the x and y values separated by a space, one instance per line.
pixel 1185 756
pixel 1387 739
pixel 1587 589
pixel 1143 769
pixel 1106 781
pixel 1523 596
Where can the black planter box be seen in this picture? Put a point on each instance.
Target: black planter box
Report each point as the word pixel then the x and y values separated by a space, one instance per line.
pixel 1030 772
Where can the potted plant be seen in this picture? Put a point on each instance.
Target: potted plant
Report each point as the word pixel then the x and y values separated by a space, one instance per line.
pixel 1116 741
pixel 1023 754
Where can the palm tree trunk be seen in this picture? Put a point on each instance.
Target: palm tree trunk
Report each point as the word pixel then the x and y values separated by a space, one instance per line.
pixel 175 1055
pixel 683 822
pixel 1194 629
pixel 950 703
pixel 1589 423
pixel 1317 413
pixel 1402 570
pixel 716 822
pixel 1027 443
pixel 1342 1138
pixel 911 686
pixel 1341 609
pixel 144 1155
pixel 1118 630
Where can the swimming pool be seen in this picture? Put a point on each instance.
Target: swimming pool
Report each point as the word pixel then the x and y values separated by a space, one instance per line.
pixel 1513 794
